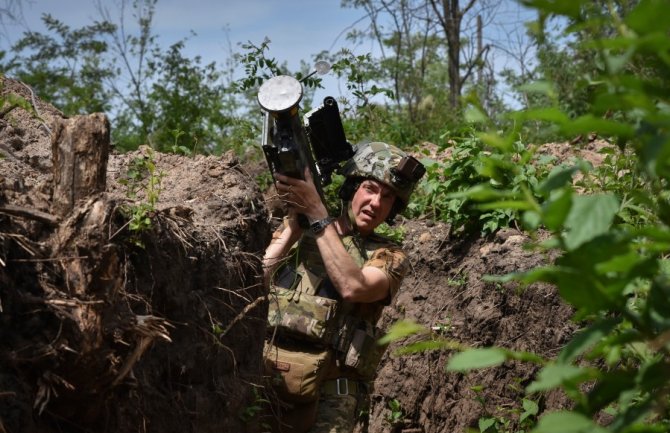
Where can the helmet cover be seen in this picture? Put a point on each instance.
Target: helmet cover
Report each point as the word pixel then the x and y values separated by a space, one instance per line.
pixel 379 161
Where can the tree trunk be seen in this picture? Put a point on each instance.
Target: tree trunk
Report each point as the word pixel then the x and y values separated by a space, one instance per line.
pixel 80 149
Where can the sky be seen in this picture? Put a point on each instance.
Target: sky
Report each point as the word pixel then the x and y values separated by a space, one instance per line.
pixel 297 29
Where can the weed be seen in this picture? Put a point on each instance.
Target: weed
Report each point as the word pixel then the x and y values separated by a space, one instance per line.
pixel 458 281
pixel 506 420
pixel 10 101
pixel 396 234
pixel 396 415
pixel 444 327
pixel 264 180
pixel 176 147
pixel 446 193
pixel 255 408
pixel 142 179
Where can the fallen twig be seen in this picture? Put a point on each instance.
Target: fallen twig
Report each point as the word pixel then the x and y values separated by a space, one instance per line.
pixel 30 214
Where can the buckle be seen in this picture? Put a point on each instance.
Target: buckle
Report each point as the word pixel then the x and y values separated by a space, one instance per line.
pixel 340 381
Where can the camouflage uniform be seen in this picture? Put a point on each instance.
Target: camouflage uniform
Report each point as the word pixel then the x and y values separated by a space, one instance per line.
pixel 337 413
pixel 305 272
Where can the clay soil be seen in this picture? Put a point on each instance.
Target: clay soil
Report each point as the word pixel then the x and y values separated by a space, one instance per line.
pixel 106 330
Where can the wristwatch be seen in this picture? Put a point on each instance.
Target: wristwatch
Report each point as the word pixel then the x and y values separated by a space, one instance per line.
pixel 319 225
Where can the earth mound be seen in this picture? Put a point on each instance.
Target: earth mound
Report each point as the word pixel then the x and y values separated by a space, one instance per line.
pixel 108 329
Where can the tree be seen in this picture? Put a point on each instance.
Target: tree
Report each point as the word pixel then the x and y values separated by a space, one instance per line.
pixel 11 11
pixel 419 33
pixel 134 56
pixel 450 17
pixel 65 67
pixel 187 103
pixel 154 96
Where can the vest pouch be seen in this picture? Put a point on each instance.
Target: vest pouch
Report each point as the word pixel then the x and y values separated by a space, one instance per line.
pixel 296 372
pixel 360 351
pixel 300 316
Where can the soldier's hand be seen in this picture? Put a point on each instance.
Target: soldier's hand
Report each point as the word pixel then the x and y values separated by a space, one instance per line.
pixel 301 195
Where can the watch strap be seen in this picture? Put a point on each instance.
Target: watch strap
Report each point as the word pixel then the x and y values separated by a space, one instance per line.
pixel 320 225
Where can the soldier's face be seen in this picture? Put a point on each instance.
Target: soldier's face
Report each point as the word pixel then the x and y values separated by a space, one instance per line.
pixel 371 204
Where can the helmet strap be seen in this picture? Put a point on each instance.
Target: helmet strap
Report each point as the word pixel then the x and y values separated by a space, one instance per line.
pixel 349 216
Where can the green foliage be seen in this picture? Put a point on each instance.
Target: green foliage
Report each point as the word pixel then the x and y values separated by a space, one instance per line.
pixel 176 147
pixel 143 183
pixel 186 97
pixel 515 418
pixel 613 243
pixel 443 327
pixel 365 118
pixel 446 192
pixel 255 408
pixel 11 101
pixel 376 112
pixel 82 70
pixel 396 234
pixel 258 67
pixel 264 180
pixel 396 413
pixel 358 70
pixel 65 65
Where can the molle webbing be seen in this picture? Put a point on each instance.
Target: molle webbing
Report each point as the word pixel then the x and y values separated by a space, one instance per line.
pixel 311 264
pixel 298 313
pixel 303 316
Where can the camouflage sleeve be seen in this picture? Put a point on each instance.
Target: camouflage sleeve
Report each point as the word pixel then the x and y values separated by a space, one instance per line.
pixel 394 262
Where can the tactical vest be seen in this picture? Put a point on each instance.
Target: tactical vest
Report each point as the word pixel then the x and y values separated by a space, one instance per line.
pixel 305 306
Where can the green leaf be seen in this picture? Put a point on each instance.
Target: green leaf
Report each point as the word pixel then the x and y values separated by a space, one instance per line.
pixel 531 219
pixel 618 62
pixel 507 204
pixel 657 308
pixel 555 375
pixel 558 178
pixel 589 217
pixel 477 358
pixel 499 142
pixel 475 115
pixel 485 423
pixel 550 114
pixel 423 346
pixel 644 18
pixel 586 338
pixel 479 192
pixel 567 422
pixel 590 123
pixel 401 329
pixel 542 87
pixel 609 388
pixel 530 408
pixel 556 210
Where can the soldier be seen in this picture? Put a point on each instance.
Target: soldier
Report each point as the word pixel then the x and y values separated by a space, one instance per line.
pixel 330 282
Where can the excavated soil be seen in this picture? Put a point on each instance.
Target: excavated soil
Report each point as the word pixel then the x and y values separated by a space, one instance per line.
pixel 166 334
pixel 447 294
pixel 107 330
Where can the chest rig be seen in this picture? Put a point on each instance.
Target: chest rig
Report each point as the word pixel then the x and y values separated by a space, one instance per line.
pixel 304 306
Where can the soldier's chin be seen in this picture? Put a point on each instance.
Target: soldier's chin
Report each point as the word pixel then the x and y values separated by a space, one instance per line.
pixel 365 226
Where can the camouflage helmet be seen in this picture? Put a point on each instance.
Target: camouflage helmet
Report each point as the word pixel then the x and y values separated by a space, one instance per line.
pixel 387 164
